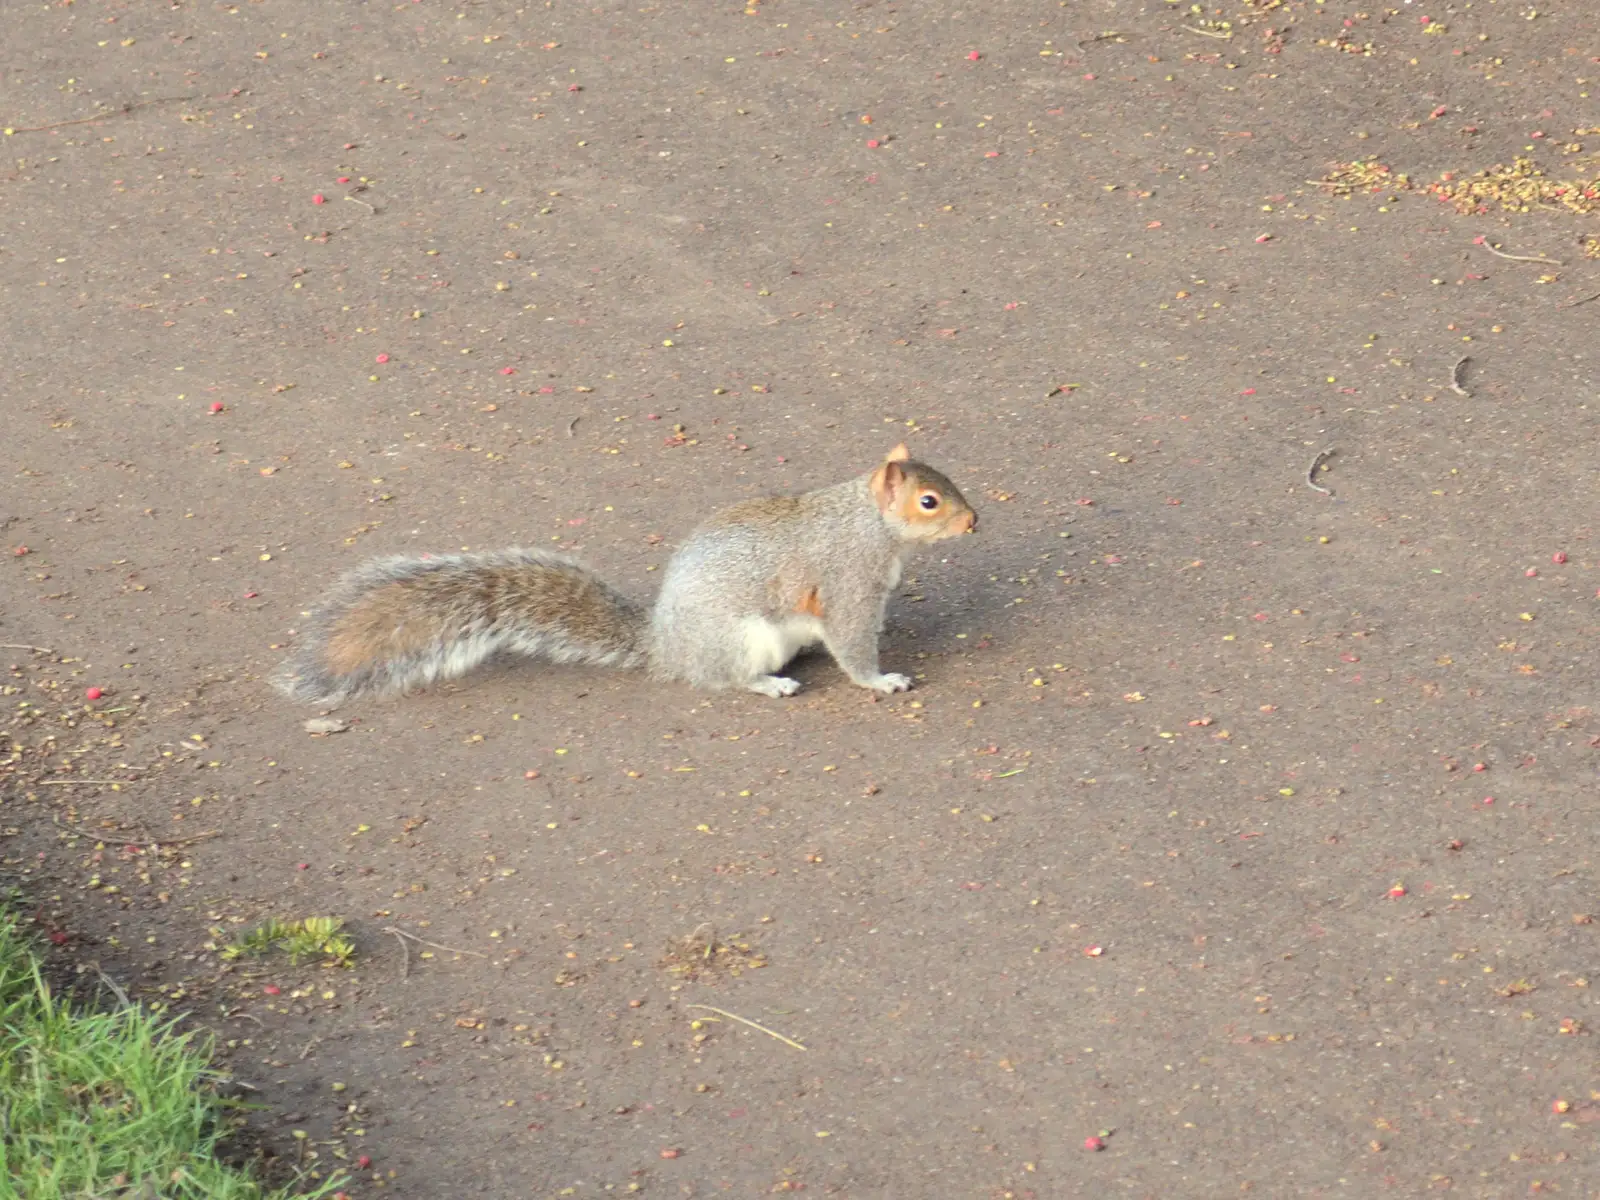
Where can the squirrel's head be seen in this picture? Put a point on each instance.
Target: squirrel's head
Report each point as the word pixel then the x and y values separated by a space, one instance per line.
pixel 917 501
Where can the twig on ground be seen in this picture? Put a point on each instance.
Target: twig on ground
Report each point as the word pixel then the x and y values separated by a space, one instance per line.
pixel 1455 376
pixel 20 646
pixel 1585 300
pixel 1210 33
pixel 124 110
pixel 405 953
pixel 572 426
pixel 47 782
pixel 1533 258
pixel 166 843
pixel 432 945
pixel 1111 35
pixel 1316 465
pixel 111 983
pixel 363 204
pixel 722 1012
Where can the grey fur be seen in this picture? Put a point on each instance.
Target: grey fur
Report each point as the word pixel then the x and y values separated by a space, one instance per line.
pixel 738 600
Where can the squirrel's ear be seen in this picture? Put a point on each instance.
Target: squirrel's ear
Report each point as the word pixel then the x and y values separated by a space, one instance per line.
pixel 885 481
pixel 898 454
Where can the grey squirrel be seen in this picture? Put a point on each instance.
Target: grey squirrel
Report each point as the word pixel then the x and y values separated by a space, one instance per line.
pixel 750 589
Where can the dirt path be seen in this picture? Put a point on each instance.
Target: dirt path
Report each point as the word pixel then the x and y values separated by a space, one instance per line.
pixel 1247 828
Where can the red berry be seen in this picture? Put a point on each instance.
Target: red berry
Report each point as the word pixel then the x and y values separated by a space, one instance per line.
pixel 272 989
pixel 1397 891
pixel 364 1161
pixel 508 370
pixel 1532 572
pixel 1559 557
pixel 1480 767
pixel 94 693
pixel 1094 1143
pixel 342 179
pixel 670 1153
pixel 217 406
pixel 873 143
pixel 383 358
pixel 319 198
pixel 974 56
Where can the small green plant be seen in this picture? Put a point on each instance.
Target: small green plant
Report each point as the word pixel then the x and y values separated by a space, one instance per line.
pixel 302 939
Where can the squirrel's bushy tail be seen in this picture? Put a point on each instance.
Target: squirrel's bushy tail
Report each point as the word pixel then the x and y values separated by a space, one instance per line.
pixel 400 623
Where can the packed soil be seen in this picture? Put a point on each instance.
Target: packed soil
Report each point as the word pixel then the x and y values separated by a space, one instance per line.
pixel 1241 832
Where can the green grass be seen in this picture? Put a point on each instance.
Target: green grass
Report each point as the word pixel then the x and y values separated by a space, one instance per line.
pixel 103 1105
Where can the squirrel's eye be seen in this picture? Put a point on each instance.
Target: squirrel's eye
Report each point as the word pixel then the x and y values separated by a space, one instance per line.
pixel 929 501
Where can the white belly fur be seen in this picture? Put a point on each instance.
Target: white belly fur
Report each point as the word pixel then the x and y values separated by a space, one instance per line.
pixel 770 644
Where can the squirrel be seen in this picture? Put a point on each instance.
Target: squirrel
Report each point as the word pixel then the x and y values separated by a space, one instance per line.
pixel 751 587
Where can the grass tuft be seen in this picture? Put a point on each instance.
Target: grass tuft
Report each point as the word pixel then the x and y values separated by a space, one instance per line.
pixel 96 1105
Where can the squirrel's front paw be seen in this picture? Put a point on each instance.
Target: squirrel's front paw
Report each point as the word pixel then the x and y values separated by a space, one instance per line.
pixel 775 686
pixel 890 682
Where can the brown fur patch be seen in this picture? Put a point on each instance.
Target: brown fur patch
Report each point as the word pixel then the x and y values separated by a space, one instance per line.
pixel 810 602
pixel 387 623
pixel 766 510
pixel 564 598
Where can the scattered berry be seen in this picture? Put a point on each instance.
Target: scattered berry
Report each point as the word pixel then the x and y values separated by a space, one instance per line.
pixel 1532 573
pixel 1560 1106
pixel 1092 1143
pixel 1559 557
pixel 319 198
pixel 669 1152
pixel 1094 951
pixel 364 1161
pixel 217 406
pixel 382 358
pixel 974 56
pixel 1397 891
pixel 272 989
pixel 94 693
